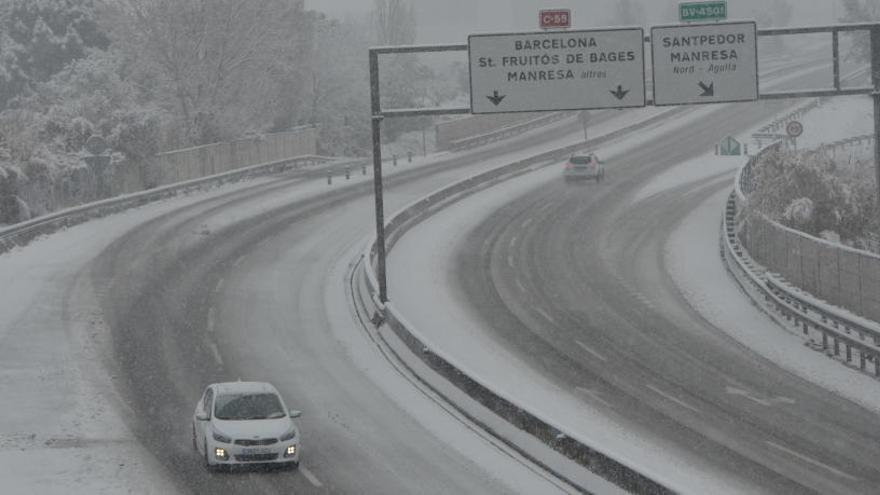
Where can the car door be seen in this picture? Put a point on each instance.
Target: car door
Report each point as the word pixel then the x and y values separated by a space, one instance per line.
pixel 206 406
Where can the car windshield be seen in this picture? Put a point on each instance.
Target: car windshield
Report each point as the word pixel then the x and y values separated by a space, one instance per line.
pixel 581 160
pixel 248 406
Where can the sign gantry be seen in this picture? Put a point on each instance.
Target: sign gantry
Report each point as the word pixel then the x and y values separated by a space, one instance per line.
pixel 571 70
pixel 705 63
pixel 521 72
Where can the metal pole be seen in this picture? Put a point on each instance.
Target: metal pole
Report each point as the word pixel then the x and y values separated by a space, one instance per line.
pixel 376 110
pixel 875 81
pixel 835 53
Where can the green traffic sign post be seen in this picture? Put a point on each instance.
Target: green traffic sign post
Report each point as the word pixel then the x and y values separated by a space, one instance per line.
pixel 730 147
pixel 702 11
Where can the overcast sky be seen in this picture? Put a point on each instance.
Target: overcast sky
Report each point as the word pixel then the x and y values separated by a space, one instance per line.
pixel 450 21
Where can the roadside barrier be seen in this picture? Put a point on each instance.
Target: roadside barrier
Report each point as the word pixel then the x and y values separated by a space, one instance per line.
pixel 21 233
pixel 621 472
pixel 837 333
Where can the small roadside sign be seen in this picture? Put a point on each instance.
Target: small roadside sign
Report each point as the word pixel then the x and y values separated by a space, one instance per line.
pixel 702 11
pixel 705 63
pixel 730 147
pixel 554 19
pixel 794 129
pixel 565 70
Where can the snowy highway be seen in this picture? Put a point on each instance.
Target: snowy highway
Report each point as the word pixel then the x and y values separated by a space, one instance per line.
pixel 248 281
pixel 573 286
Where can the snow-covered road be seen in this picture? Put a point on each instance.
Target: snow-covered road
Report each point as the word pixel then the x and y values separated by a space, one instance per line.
pixel 104 355
pixel 560 295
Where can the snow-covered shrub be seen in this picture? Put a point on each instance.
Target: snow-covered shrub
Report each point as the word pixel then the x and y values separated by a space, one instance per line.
pixel 799 212
pixel 811 192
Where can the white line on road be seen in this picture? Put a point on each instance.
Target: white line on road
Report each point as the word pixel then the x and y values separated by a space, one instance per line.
pixel 219 286
pixel 594 395
pixel 513 242
pixel 590 350
pixel 674 399
pixel 527 222
pixel 811 461
pixel 510 261
pixel 216 352
pixel 311 477
pixel 211 319
pixel 519 284
pixel 545 315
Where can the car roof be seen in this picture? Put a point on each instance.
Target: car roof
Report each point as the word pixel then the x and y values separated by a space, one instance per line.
pixel 244 387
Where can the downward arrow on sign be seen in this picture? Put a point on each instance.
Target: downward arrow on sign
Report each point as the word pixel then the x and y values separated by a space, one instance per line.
pixel 620 93
pixel 496 98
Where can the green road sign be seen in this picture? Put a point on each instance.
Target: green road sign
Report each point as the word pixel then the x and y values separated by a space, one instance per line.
pixel 702 11
pixel 730 147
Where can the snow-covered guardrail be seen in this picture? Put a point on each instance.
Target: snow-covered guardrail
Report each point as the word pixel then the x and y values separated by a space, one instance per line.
pixel 842 335
pixel 620 471
pixel 23 232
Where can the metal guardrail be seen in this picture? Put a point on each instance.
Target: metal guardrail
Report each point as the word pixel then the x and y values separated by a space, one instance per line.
pixel 792 306
pixel 21 233
pixel 615 470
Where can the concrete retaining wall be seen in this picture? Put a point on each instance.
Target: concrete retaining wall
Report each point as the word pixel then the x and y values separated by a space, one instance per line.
pixel 837 274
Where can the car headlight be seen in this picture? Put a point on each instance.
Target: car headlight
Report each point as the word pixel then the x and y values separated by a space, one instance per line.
pixel 290 435
pixel 221 438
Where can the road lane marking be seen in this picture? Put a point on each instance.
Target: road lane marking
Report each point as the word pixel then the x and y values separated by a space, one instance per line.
pixel 545 315
pixel 510 260
pixel 590 350
pixel 764 402
pixel 219 286
pixel 211 319
pixel 811 461
pixel 216 352
pixel 519 284
pixel 238 261
pixel 594 395
pixel 674 399
pixel 513 242
pixel 527 222
pixel 311 477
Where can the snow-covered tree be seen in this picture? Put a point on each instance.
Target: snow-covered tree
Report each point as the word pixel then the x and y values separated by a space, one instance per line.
pixel 220 66
pixel 813 193
pixel 39 38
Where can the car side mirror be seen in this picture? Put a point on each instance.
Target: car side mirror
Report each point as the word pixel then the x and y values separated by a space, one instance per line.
pixel 202 416
pixel 295 413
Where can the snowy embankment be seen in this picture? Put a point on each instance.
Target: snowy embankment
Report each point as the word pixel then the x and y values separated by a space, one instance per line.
pixel 692 255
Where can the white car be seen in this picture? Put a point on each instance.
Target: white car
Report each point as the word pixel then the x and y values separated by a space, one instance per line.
pixel 584 167
pixel 245 423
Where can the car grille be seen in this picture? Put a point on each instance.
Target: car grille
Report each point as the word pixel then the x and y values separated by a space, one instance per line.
pixel 261 441
pixel 256 457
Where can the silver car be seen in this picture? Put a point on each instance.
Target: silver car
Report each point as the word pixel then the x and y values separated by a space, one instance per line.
pixel 584 167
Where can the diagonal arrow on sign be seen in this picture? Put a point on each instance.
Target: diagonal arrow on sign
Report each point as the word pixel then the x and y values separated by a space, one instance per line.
pixel 620 93
pixel 496 98
pixel 707 90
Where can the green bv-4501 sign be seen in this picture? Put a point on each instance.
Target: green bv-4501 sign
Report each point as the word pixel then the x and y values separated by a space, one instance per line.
pixel 702 11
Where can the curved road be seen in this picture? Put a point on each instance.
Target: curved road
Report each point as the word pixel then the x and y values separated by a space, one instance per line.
pixel 574 280
pixel 249 284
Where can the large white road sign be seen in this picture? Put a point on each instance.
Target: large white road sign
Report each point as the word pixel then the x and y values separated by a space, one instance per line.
pixel 572 70
pixel 705 63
